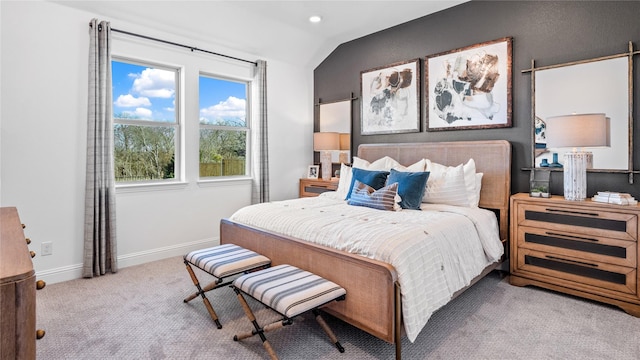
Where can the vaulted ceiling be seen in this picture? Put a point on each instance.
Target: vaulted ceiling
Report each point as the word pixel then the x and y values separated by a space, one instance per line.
pixel 270 29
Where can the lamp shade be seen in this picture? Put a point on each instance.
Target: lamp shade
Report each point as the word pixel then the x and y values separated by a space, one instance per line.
pixel 345 141
pixel 578 130
pixel 326 141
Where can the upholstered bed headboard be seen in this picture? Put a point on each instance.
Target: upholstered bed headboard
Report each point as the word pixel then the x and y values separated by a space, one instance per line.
pixel 492 157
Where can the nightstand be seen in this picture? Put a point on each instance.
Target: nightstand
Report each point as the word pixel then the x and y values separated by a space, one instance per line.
pixel 582 248
pixel 315 187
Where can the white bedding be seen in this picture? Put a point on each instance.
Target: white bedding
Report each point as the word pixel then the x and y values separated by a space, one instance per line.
pixel 435 252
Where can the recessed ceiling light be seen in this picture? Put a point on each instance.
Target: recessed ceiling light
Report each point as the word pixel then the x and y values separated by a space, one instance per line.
pixel 315 19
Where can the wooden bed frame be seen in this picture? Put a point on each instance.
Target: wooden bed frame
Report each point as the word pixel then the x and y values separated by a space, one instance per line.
pixel 373 301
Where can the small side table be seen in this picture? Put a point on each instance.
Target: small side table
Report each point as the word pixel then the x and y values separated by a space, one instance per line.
pixel 315 187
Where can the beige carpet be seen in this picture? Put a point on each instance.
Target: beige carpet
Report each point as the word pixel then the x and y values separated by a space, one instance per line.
pixel 138 313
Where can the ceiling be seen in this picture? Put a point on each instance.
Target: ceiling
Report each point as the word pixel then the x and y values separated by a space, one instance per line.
pixel 267 29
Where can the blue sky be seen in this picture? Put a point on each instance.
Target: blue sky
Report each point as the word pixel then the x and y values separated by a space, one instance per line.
pixel 147 93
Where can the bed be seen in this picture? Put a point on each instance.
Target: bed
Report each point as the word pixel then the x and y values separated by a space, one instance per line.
pixel 374 298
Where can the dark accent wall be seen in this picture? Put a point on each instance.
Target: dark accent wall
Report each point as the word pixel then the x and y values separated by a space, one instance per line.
pixel 551 32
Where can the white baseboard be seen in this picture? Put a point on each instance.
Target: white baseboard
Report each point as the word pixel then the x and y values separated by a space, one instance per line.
pixel 73 272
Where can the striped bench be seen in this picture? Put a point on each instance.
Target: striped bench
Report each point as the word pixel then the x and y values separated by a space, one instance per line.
pixel 290 292
pixel 221 262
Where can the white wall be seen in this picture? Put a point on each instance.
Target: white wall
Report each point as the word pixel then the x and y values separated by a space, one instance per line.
pixel 43 89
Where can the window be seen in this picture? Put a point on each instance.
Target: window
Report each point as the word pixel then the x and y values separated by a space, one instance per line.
pixel 223 127
pixel 146 124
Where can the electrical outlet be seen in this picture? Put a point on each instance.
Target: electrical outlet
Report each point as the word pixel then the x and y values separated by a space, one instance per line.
pixel 47 248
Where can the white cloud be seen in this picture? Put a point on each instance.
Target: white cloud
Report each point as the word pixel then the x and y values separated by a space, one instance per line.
pixel 132 101
pixel 140 113
pixel 144 113
pixel 230 108
pixel 155 83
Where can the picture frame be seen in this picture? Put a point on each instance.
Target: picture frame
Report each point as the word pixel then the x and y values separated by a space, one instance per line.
pixel 470 87
pixel 312 172
pixel 390 98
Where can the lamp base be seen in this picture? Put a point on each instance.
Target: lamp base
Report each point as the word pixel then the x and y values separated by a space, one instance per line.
pixel 343 158
pixel 325 163
pixel 575 175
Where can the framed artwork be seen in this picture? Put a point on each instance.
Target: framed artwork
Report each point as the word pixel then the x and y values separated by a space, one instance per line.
pixel 312 173
pixel 469 88
pixel 390 101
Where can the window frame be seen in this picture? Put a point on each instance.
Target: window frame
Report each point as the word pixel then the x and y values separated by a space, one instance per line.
pixel 177 125
pixel 246 129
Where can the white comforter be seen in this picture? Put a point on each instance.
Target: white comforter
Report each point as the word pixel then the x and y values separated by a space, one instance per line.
pixel 435 253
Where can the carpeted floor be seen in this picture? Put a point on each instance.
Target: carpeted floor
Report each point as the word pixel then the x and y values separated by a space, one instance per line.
pixel 138 313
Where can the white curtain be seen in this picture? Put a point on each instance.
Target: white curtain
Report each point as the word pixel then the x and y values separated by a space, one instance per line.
pixel 259 143
pixel 100 254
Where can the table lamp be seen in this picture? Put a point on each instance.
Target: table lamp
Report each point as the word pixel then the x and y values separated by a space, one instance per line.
pixel 325 142
pixel 577 131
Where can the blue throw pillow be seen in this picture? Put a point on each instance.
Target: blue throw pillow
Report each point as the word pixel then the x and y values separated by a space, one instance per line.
pixel 375 179
pixel 381 199
pixel 411 187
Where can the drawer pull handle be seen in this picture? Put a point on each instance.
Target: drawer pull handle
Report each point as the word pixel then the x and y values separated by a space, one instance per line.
pixel 571 261
pixel 571 212
pixel 571 236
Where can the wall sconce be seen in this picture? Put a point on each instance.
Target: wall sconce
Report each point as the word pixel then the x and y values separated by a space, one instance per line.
pixel 345 146
pixel 325 142
pixel 577 130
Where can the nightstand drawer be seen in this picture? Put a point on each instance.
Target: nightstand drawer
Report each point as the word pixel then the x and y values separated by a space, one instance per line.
pixel 588 247
pixel 591 222
pixel 590 273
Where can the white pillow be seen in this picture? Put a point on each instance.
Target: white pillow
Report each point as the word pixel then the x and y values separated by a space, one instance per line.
pixel 419 166
pixel 469 172
pixel 447 187
pixel 383 164
pixel 476 198
pixel 345 181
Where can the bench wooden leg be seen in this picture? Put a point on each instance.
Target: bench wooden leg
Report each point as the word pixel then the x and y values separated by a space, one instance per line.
pixel 201 292
pixel 327 330
pixel 205 289
pixel 258 330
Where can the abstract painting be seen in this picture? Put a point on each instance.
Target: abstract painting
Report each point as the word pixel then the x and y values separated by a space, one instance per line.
pixel 390 101
pixel 470 87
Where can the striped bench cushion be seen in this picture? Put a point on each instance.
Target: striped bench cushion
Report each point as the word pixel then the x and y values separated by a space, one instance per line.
pixel 288 290
pixel 226 260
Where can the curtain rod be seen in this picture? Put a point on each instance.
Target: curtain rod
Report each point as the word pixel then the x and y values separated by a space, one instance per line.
pixel 192 48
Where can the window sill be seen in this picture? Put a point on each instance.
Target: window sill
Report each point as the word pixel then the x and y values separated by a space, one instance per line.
pixel 159 186
pixel 226 181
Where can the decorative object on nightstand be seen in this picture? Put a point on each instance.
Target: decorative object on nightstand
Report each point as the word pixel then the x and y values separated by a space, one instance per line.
pixel 615 198
pixel 312 172
pixel 577 130
pixel 586 248
pixel 555 163
pixel 315 187
pixel 539 183
pixel 325 142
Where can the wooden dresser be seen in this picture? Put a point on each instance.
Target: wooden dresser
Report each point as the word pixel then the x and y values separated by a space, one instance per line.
pixel 583 248
pixel 17 290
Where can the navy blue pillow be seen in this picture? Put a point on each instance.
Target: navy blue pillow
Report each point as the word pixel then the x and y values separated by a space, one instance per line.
pixel 411 187
pixel 375 179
